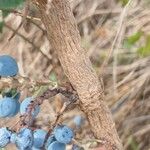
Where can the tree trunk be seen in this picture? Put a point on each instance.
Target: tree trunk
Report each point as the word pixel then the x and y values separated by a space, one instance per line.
pixel 65 39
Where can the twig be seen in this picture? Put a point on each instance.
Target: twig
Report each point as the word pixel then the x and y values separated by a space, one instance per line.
pixel 23 19
pixel 20 81
pixel 26 39
pixel 46 95
pixel 30 18
pixel 20 14
pixel 72 98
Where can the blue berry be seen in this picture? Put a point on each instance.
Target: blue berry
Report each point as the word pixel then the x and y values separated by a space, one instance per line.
pixel 13 138
pixel 17 109
pixel 4 137
pixel 34 148
pixel 63 134
pixel 78 121
pixel 39 138
pixel 8 66
pixel 57 146
pixel 24 140
pixel 50 140
pixel 24 107
pixel 8 107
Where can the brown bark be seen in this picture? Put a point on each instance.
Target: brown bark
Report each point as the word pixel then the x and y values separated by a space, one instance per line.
pixel 65 39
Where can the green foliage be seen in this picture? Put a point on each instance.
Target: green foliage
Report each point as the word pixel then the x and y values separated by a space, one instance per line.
pixel 132 143
pixel 5 13
pixel 1 26
pixel 123 2
pixel 145 50
pixel 5 7
pixel 131 40
pixel 40 90
pixel 53 77
pixel 9 4
pixel 9 92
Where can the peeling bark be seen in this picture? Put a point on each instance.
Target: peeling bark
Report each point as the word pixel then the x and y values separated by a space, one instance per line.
pixel 65 39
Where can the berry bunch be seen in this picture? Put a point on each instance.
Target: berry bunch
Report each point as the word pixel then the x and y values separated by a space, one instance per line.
pixel 26 137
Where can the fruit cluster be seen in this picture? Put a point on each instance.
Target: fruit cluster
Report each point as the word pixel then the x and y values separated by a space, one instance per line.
pixel 27 138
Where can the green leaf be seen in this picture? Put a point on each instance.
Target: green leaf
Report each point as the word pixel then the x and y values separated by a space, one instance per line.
pixel 5 13
pixel 135 37
pixel 53 77
pixel 132 143
pixel 124 2
pixel 1 26
pixel 131 40
pixel 145 50
pixel 7 4
pixel 9 92
pixel 40 91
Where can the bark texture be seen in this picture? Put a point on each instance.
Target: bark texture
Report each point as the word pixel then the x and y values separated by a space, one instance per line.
pixel 65 39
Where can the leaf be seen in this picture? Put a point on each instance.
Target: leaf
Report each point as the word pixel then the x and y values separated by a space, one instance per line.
pixel 9 92
pixel 7 4
pixel 145 50
pixel 131 40
pixel 5 13
pixel 124 2
pixel 53 77
pixel 40 91
pixel 1 26
pixel 133 144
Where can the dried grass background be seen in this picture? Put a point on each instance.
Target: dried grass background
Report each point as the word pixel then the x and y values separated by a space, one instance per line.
pixel 126 78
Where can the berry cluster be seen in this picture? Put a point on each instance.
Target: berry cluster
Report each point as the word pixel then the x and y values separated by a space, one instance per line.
pixel 27 138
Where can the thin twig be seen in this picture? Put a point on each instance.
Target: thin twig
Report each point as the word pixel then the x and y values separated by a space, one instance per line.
pixel 25 13
pixel 72 98
pixel 26 39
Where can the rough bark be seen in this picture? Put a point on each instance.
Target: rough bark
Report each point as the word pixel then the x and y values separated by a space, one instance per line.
pixel 65 39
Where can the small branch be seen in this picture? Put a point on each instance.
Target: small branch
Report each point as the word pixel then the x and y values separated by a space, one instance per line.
pixel 72 97
pixel 30 18
pixel 20 82
pixel 26 39
pixel 25 13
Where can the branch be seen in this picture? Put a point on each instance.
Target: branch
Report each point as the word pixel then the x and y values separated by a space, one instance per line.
pixel 26 39
pixel 65 39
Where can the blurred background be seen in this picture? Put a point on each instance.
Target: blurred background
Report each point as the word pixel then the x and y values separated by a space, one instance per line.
pixel 119 29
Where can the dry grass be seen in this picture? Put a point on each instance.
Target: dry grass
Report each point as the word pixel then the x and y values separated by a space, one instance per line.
pixel 127 81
